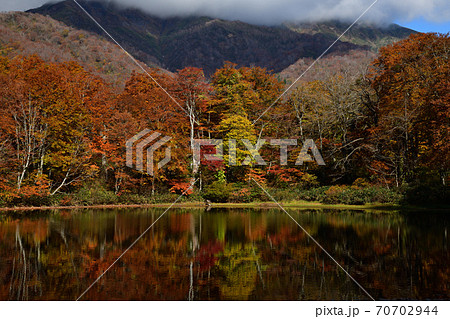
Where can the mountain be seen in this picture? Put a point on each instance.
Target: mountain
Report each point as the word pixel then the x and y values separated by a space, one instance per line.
pixel 361 34
pixel 174 43
pixel 27 33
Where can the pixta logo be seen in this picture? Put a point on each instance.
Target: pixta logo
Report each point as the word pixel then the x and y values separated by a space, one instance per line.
pixel 254 154
pixel 143 145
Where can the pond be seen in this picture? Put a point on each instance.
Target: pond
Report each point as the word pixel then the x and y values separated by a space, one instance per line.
pixel 223 254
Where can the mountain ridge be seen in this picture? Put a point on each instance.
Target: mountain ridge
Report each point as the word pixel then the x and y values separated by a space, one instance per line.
pixel 175 43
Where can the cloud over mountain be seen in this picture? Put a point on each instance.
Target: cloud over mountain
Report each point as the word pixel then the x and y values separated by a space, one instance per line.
pixel 277 11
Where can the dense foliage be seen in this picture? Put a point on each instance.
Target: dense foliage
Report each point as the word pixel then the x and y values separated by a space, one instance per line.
pixel 382 132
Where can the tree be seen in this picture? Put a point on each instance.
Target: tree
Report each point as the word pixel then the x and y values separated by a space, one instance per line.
pixel 411 78
pixel 245 90
pixel 52 116
pixel 151 108
pixel 235 129
pixel 193 90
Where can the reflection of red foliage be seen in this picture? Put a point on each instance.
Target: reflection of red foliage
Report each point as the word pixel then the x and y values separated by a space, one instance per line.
pixel 94 267
pixel 287 235
pixel 180 223
pixel 206 256
pixel 381 249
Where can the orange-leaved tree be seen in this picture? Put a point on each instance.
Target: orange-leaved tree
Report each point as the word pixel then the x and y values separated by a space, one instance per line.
pixel 412 81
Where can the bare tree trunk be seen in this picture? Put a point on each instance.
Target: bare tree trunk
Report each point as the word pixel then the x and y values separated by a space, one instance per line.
pixel 30 138
pixel 153 186
pixel 195 161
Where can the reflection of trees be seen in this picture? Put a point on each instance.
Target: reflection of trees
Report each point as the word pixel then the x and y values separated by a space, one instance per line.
pixel 221 254
pixel 21 277
pixel 25 272
pixel 237 265
pixel 37 272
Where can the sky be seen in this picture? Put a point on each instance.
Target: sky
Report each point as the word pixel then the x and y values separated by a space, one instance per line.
pixel 422 25
pixel 420 15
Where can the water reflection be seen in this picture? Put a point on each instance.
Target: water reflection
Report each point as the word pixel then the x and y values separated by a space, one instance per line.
pixel 223 255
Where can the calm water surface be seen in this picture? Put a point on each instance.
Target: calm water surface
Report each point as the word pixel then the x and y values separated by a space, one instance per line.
pixel 223 255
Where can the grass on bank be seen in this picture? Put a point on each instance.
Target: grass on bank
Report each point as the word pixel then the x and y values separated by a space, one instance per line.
pixel 229 196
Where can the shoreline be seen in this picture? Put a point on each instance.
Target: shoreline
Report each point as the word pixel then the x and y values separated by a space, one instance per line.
pixel 252 205
pixel 201 205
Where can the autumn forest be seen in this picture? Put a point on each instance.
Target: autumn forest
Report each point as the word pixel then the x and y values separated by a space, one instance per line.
pixel 382 129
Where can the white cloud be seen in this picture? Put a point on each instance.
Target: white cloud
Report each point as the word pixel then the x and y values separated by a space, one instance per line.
pixel 20 5
pixel 276 11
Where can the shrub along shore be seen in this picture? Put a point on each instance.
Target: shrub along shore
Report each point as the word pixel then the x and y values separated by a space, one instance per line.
pixel 233 196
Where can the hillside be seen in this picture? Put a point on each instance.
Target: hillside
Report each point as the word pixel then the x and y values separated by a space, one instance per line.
pixel 204 42
pixel 353 63
pixel 361 34
pixel 28 33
